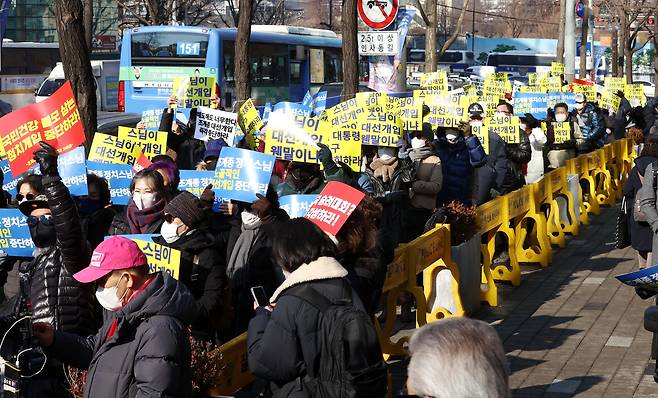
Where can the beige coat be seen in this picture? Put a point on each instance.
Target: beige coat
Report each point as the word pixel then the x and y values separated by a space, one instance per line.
pixel 427 184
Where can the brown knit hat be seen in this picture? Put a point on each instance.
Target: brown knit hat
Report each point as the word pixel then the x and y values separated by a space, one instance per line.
pixel 187 207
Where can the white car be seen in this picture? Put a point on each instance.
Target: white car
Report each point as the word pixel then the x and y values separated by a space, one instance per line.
pixel 649 88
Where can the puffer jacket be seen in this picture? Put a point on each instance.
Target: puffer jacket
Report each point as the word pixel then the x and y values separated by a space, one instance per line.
pixel 536 165
pixel 592 128
pixel 517 155
pixel 649 115
pixel 427 184
pixel 458 161
pixel 492 174
pixel 147 354
pixel 47 281
pixel 285 342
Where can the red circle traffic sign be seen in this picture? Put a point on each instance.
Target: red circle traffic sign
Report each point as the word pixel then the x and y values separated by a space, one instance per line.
pixel 377 14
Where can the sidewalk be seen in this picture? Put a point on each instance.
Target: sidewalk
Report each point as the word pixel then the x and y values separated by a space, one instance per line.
pixel 572 329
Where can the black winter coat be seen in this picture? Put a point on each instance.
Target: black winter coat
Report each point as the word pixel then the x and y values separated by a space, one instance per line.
pixel 120 225
pixel 149 353
pixel 97 226
pixel 517 155
pixel 47 281
pixel 189 150
pixel 492 174
pixel 458 161
pixel 285 344
pixel 649 115
pixel 203 271
pixel 620 118
pixel 641 234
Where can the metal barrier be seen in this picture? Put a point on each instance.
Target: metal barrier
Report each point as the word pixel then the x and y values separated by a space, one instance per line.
pixel 530 220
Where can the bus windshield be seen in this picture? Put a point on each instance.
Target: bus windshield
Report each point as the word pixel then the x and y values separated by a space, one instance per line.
pixel 169 48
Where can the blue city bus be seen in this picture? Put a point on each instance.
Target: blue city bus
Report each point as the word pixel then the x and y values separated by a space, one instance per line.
pixel 285 62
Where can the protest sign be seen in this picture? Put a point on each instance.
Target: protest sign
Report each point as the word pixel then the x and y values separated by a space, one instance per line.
pixel 381 124
pixel 118 177
pixel 292 108
pixel 193 92
pixel 483 135
pixel 15 238
pixel 634 93
pixel 562 132
pixel 160 258
pixel 162 73
pixel 530 89
pixel 151 118
pixel 534 104
pixel 55 120
pixel 507 127
pixel 296 205
pixel 151 142
pixel 241 174
pixel 110 149
pixel 555 97
pixel 557 69
pixel 267 109
pixel 495 88
pixel 293 138
pixel 320 102
pixel 9 183
pixel 646 279
pixel 610 100
pixel 437 81
pixel 345 144
pixel 195 181
pixel 308 99
pixel 551 83
pixel 73 171
pixel 333 206
pixel 584 86
pixel 249 117
pixel 213 124
pixel 614 84
pixel 411 113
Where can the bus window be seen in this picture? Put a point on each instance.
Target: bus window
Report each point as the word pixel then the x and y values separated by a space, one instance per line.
pixel 451 57
pixel 169 49
pixel 295 72
pixel 333 66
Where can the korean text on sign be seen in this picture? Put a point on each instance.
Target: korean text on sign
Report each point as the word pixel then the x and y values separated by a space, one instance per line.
pixel 378 43
pixel 110 149
pixel 55 120
pixel 151 142
pixel 212 124
pixel 293 137
pixel 507 127
pixel 535 104
pixel 241 174
pixel 333 206
pixel 160 258
pixel 562 131
pixel 249 117
pixel 151 118
pixel 296 205
pixel 118 177
pixel 15 238
pixel 193 92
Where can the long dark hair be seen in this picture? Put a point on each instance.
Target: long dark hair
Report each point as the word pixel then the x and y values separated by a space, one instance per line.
pixel 299 241
pixel 359 234
pixel 154 176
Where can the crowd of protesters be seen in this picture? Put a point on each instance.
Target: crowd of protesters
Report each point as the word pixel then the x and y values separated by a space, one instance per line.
pixel 134 337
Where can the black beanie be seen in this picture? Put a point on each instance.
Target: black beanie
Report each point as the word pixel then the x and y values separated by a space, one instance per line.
pixel 187 207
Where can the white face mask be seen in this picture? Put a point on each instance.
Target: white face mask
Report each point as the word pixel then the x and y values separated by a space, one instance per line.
pixel 560 117
pixel 475 123
pixel 417 143
pixel 500 114
pixel 107 297
pixel 249 219
pixel 386 153
pixel 579 105
pixel 169 232
pixel 522 126
pixel 451 137
pixel 144 200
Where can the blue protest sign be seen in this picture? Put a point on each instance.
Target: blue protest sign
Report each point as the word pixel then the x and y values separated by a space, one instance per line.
pixel 241 174
pixel 320 102
pixel 296 205
pixel 556 97
pixel 196 181
pixel 266 112
pixel 9 183
pixel 532 103
pixel 73 170
pixel 144 237
pixel 308 99
pixel 292 108
pixel 151 118
pixel 15 239
pixel 118 177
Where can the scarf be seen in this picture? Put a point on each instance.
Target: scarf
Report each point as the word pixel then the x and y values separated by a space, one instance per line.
pixel 384 169
pixel 240 253
pixel 140 220
pixel 420 154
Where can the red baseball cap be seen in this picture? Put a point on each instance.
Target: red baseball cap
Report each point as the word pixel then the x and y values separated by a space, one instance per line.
pixel 114 253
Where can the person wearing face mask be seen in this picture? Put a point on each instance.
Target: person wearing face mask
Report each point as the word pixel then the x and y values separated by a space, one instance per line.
pixel 213 149
pixel 28 188
pixel 145 211
pixel 426 185
pixel 202 266
pixel 518 155
pixel 559 153
pixel 48 290
pixel 249 261
pixel 301 179
pixel 649 117
pixel 490 176
pixel 591 124
pixel 96 210
pixel 143 348
pixel 537 139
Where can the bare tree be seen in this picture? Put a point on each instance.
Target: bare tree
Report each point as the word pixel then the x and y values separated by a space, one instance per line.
pixel 456 30
pixel 350 50
pixel 430 36
pixel 89 22
pixel 242 70
pixel 75 59
pixel 560 35
pixel 583 44
pixel 164 12
pixel 265 12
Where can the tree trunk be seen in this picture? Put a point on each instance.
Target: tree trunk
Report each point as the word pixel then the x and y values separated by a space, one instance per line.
pixel 583 44
pixel 622 44
pixel 242 70
pixel 75 59
pixel 456 31
pixel 615 52
pixel 350 50
pixel 89 22
pixel 430 36
pixel 655 52
pixel 560 36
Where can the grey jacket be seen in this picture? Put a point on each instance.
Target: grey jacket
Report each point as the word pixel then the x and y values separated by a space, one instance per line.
pixel 648 205
pixel 149 353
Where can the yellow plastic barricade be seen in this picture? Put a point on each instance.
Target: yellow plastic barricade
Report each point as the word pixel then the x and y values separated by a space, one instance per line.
pixel 534 234
pixel 556 227
pixel 235 369
pixel 491 220
pixel 588 196
pixel 396 281
pixel 601 177
pixel 614 167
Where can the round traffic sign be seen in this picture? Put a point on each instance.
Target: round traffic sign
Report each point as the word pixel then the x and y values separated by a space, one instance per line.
pixel 580 9
pixel 377 14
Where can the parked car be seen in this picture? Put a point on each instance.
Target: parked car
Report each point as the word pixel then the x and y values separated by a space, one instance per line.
pixel 649 88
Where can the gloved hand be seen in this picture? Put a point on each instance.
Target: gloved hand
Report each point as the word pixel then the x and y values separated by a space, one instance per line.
pixel 325 157
pixel 262 207
pixel 207 197
pixel 46 156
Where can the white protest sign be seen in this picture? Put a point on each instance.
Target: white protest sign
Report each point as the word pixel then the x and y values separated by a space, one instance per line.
pixel 213 124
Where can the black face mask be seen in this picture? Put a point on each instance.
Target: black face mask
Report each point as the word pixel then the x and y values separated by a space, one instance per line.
pixel 43 235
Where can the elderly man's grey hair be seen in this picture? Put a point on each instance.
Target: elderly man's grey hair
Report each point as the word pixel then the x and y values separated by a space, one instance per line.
pixel 458 358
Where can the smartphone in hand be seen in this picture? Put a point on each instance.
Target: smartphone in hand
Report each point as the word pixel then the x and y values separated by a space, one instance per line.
pixel 259 296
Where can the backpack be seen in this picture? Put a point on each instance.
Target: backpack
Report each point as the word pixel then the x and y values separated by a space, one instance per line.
pixel 638 214
pixel 351 363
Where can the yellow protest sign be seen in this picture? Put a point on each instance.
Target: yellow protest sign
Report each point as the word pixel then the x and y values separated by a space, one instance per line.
pixel 293 138
pixel 160 258
pixel 551 84
pixel 381 126
pixel 448 115
pixel 489 104
pixel 483 135
pixel 613 84
pixel 344 112
pixel 411 112
pixel 557 68
pixel 588 90
pixel 249 118
pixel 345 144
pixel 152 142
pixel 531 89
pixel 507 127
pixel 634 93
pixel 193 91
pixel 436 81
pixel 562 132
pixel 495 88
pixel 609 100
pixel 110 149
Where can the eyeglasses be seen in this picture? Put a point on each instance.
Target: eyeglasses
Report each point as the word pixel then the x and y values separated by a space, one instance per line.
pixel 46 219
pixel 20 197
